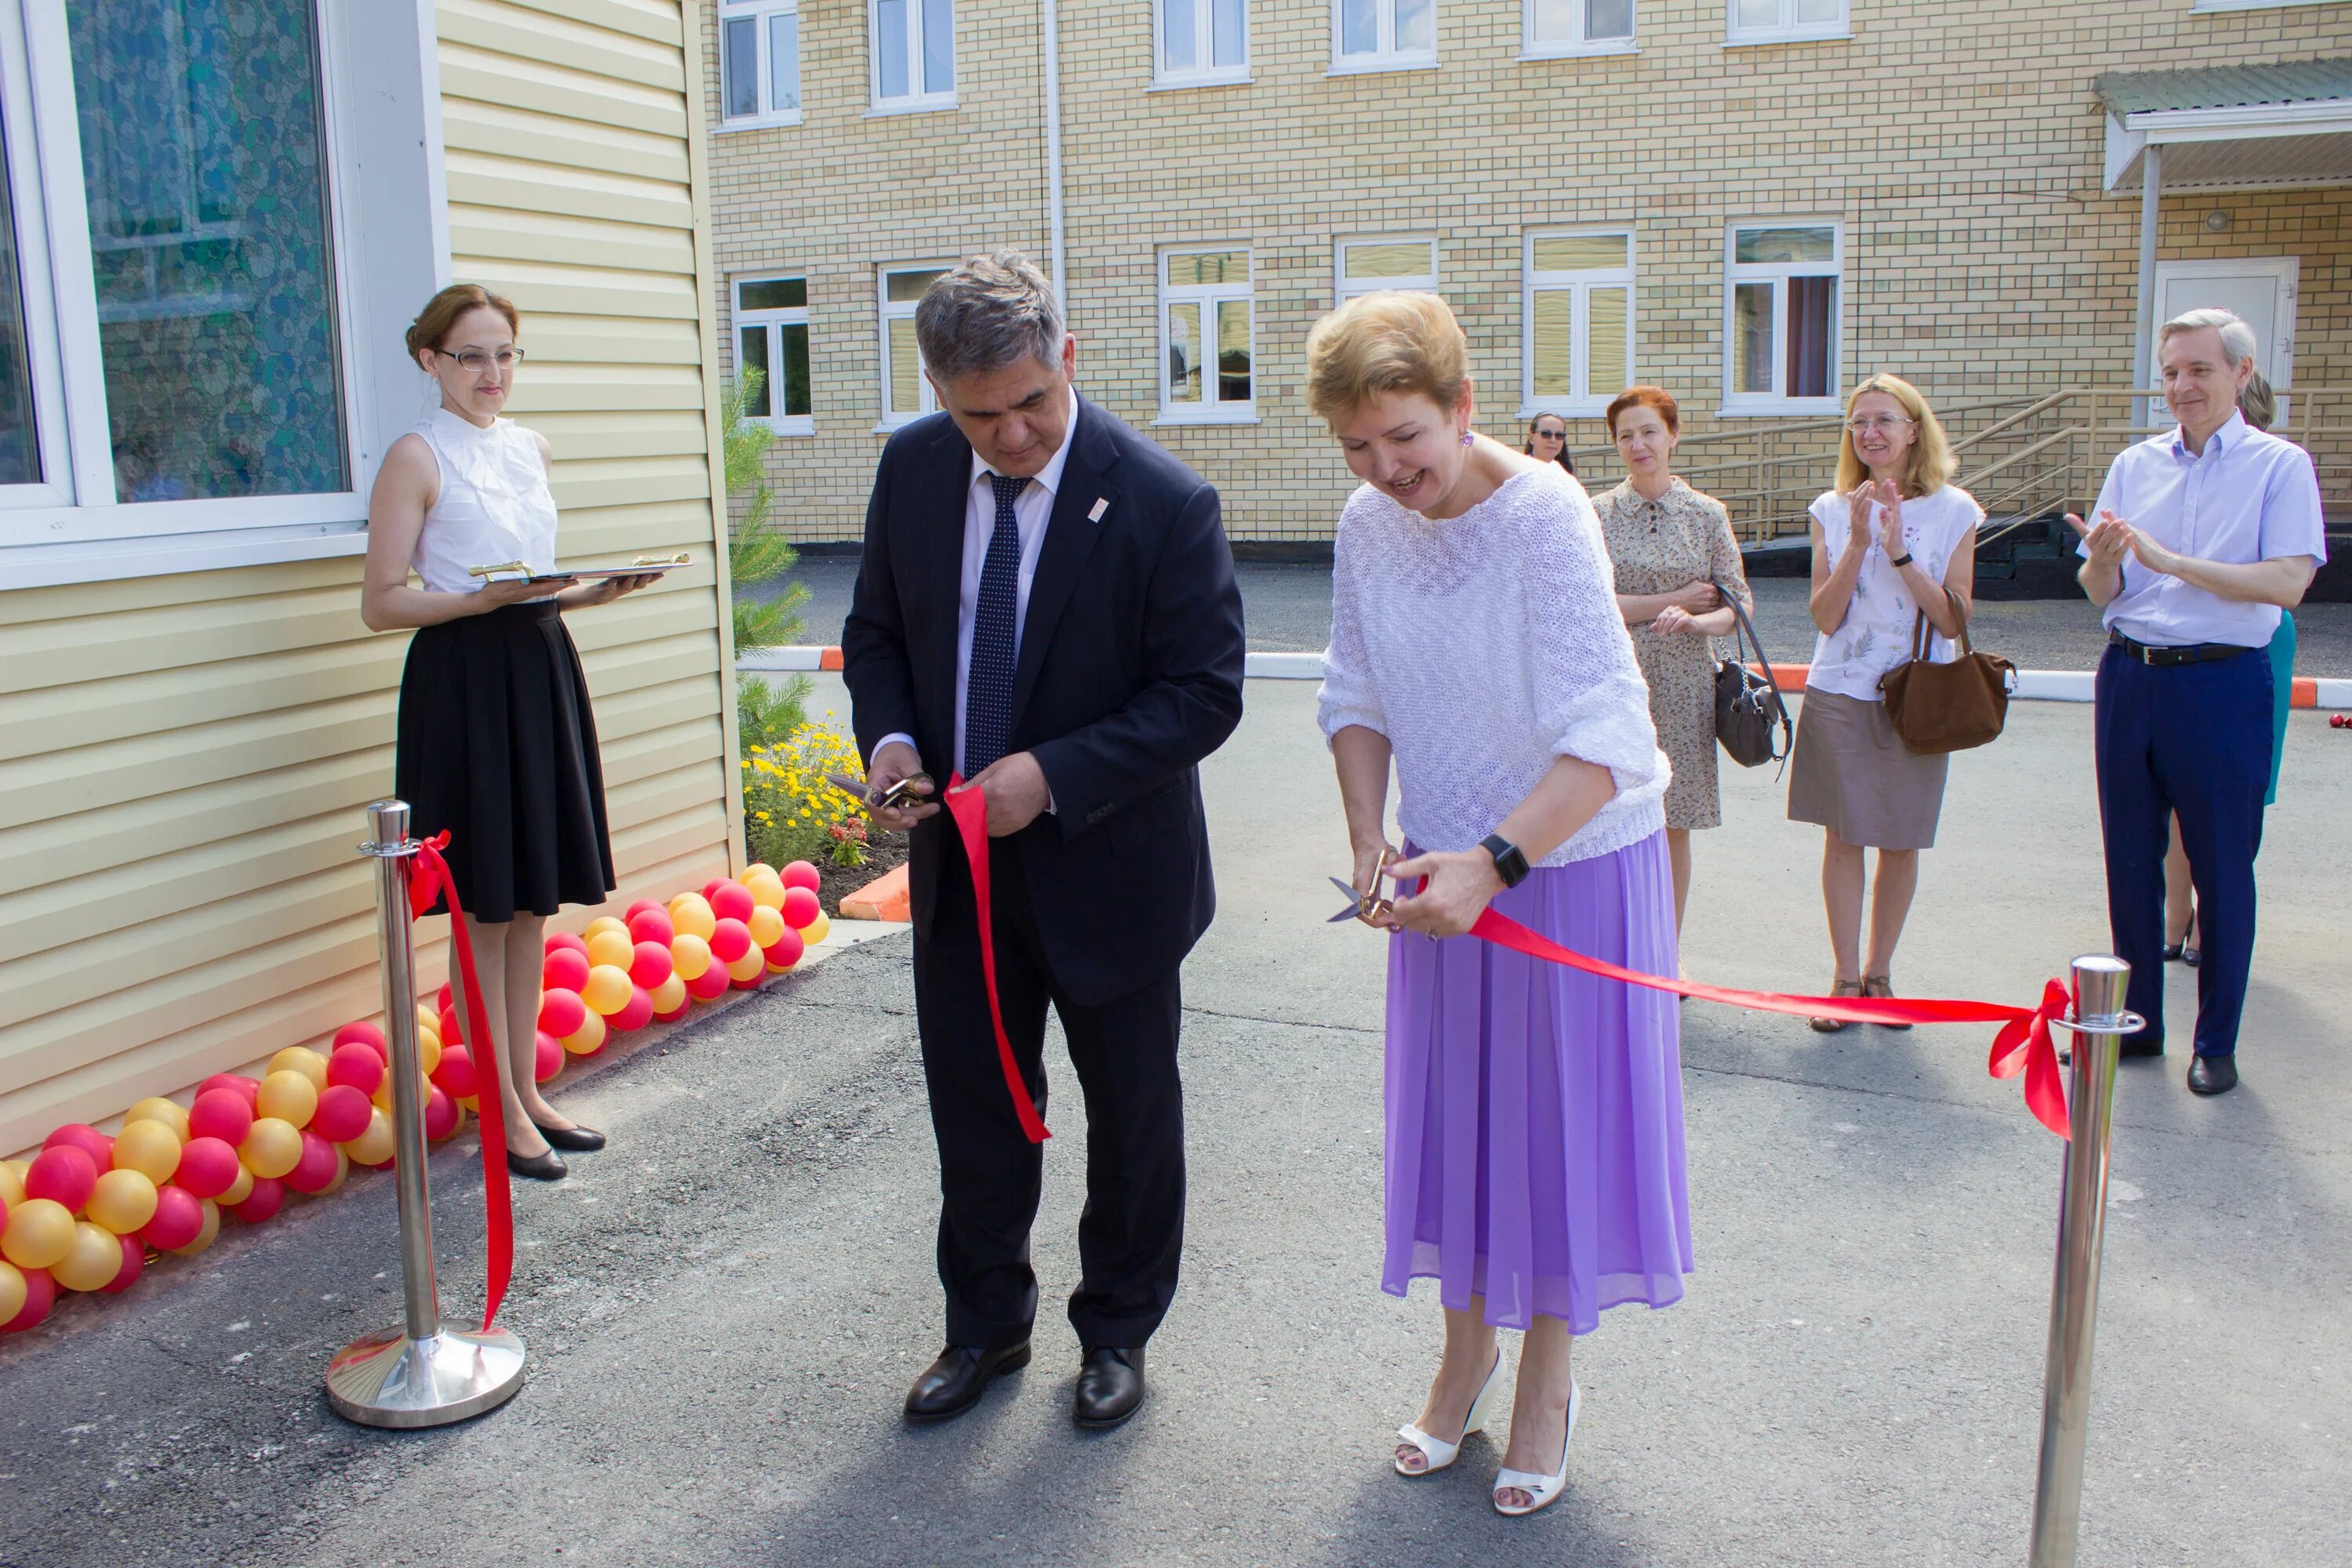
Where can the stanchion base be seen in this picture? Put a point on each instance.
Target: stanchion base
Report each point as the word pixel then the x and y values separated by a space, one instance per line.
pixel 390 1380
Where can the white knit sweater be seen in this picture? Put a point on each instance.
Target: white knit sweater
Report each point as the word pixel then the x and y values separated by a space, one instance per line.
pixel 1484 648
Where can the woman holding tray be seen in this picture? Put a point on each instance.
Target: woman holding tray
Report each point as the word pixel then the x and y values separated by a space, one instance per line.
pixel 1535 1131
pixel 496 743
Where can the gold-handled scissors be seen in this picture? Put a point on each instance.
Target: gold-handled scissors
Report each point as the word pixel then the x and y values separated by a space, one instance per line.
pixel 1367 907
pixel 908 790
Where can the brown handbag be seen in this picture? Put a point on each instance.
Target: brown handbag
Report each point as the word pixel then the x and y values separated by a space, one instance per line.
pixel 1946 707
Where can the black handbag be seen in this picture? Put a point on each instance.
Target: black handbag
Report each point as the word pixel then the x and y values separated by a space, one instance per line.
pixel 1747 705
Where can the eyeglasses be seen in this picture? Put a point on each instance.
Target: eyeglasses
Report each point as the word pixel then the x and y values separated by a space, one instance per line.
pixel 473 361
pixel 1552 435
pixel 1884 424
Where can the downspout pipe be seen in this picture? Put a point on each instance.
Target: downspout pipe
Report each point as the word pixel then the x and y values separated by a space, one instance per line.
pixel 1056 238
pixel 2151 195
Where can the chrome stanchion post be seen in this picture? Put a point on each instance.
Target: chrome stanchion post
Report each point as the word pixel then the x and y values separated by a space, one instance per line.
pixel 422 1374
pixel 2099 1021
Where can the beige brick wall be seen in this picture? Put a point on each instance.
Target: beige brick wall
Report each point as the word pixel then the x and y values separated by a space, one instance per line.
pixel 1958 143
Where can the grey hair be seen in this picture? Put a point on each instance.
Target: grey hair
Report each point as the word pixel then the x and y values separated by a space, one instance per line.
pixel 2238 343
pixel 993 311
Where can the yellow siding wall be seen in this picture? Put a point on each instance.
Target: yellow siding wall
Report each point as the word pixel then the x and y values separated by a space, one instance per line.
pixel 184 759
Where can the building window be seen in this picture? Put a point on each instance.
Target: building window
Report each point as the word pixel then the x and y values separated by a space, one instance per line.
pixel 905 391
pixel 1579 316
pixel 1783 21
pixel 1781 316
pixel 1561 27
pixel 1203 41
pixel 1204 317
pixel 914 54
pixel 1384 35
pixel 759 63
pixel 1365 265
pixel 772 336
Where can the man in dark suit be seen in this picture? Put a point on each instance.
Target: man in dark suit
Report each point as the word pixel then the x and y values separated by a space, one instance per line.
pixel 1046 608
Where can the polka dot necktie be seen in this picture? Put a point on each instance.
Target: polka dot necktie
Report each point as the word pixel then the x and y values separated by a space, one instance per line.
pixel 988 692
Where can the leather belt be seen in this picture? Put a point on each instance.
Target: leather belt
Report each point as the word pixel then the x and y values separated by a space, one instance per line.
pixel 2157 658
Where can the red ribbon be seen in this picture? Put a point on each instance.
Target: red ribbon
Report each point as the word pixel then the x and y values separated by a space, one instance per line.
pixel 969 807
pixel 429 881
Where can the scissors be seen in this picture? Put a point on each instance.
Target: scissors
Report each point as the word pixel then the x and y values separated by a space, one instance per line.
pixel 903 793
pixel 1367 907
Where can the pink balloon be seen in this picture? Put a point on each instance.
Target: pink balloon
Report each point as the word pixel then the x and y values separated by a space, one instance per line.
pixel 549 1059
pixel 452 1032
pixel 786 949
pixel 800 874
pixel 207 1169
pixel 342 1114
pixel 315 1171
pixel 88 1139
pixel 134 1259
pixel 562 1013
pixel 635 1014
pixel 752 984
pixel 577 943
pixel 227 1115
pixel 564 970
pixel 455 1076
pixel 801 908
pixel 640 907
pixel 712 982
pixel 683 1008
pixel 63 1174
pixel 40 1295
pixel 362 1034
pixel 653 964
pixel 731 940
pixel 445 1000
pixel 711 887
pixel 652 925
pixel 235 1082
pixel 732 902
pixel 440 1114
pixel 179 1217
pixel 355 1065
pixel 269 1196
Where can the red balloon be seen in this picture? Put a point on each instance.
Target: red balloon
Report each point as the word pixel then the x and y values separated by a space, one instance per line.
pixel 226 1114
pixel 563 971
pixel 440 1114
pixel 549 1059
pixel 653 964
pixel 562 1013
pixel 787 948
pixel 635 1014
pixel 732 902
pixel 207 1169
pixel 352 1065
pixel 134 1259
pixel 315 1171
pixel 179 1217
pixel 578 944
pixel 452 1033
pixel 640 907
pixel 455 1075
pixel 362 1034
pixel 653 925
pixel 342 1113
pixel 269 1196
pixel 801 908
pixel 730 939
pixel 445 1000
pixel 245 1088
pixel 683 1010
pixel 62 1173
pixel 40 1295
pixel 711 983
pixel 800 874
pixel 88 1139
pixel 711 887
pixel 752 984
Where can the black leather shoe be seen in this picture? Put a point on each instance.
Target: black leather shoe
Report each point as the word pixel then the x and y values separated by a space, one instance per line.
pixel 2140 1045
pixel 953 1384
pixel 2213 1075
pixel 1111 1386
pixel 579 1140
pixel 547 1167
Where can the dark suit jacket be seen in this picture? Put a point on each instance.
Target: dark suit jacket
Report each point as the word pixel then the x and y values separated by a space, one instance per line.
pixel 1131 672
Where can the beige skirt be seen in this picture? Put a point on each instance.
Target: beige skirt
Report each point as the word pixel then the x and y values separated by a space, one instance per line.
pixel 1851 775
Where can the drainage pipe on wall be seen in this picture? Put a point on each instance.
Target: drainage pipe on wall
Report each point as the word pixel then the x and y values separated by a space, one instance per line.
pixel 2151 195
pixel 1055 239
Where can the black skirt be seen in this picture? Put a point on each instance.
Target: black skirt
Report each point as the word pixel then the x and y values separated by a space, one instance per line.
pixel 496 745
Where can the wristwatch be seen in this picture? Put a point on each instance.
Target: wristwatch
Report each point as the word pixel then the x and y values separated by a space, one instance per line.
pixel 1510 862
pixel 1902 560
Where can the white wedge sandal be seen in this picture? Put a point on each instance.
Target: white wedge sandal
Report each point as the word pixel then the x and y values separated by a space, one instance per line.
pixel 1542 1488
pixel 1437 1453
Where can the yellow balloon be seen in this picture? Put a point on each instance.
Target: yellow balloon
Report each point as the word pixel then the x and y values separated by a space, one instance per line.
pixel 604 923
pixel 373 1146
pixel 122 1201
pixel 426 1018
pixel 150 1148
pixel 756 868
pixel 766 924
pixel 431 1031
pixel 689 956
pixel 382 1098
pixel 612 947
pixel 273 1147
pixel 238 1190
pixel 817 930
pixel 767 891
pixel 588 1038
pixel 92 1262
pixel 12 1182
pixel 287 1096
pixel 41 1231
pixel 170 1112
pixel 304 1060
pixel 11 1293
pixel 429 1050
pixel 342 1169
pixel 669 995
pixel 205 1237
pixel 606 990
pixel 690 913
pixel 750 967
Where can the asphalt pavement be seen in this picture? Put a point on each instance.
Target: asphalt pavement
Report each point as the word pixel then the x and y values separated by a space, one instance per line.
pixel 725 1307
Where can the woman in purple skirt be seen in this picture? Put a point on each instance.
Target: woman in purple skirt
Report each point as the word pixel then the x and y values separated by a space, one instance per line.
pixel 1535 1122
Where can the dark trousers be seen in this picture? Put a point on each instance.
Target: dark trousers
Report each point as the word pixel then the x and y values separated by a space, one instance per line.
pixel 2191 740
pixel 1132 1229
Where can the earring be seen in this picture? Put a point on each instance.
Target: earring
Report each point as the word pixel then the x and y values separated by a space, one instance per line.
pixel 1468 438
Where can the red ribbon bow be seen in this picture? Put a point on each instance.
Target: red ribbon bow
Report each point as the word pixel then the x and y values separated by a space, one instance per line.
pixel 969 807
pixel 429 881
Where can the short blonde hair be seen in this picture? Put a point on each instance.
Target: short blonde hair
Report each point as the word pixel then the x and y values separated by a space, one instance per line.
pixel 1389 341
pixel 1931 464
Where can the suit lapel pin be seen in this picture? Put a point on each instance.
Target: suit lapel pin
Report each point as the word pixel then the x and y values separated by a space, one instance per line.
pixel 1100 507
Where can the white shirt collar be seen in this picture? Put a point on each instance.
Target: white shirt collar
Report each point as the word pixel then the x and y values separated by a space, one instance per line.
pixel 1049 478
pixel 2232 429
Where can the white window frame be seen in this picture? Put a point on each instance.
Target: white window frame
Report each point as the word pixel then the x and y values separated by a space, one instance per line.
pixel 1385 55
pixel 771 320
pixel 1787 30
pixel 1534 48
pixel 926 399
pixel 2200 7
pixel 379 91
pixel 759 13
pixel 1204 35
pixel 915 101
pixel 1581 281
pixel 1211 409
pixel 1778 273
pixel 1343 290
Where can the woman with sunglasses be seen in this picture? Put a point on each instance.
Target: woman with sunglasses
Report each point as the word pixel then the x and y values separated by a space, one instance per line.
pixel 1896 539
pixel 1547 441
pixel 495 742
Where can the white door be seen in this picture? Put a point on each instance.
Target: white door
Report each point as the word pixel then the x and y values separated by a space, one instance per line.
pixel 2259 288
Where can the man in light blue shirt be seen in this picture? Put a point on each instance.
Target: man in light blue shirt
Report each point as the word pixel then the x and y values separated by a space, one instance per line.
pixel 2204 536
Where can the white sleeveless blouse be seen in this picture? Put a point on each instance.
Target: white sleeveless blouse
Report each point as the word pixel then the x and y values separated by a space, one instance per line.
pixel 494 505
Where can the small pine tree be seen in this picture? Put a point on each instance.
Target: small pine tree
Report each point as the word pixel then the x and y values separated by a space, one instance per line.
pixel 759 555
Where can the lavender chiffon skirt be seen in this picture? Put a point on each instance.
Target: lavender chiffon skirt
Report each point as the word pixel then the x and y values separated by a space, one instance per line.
pixel 1535 1112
